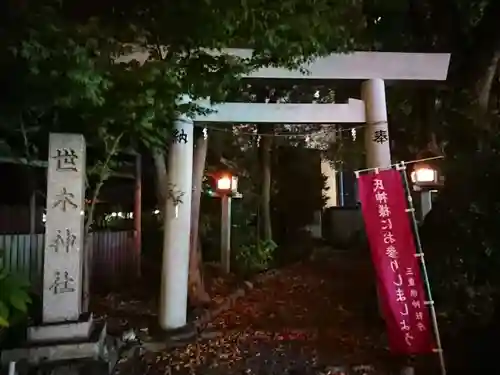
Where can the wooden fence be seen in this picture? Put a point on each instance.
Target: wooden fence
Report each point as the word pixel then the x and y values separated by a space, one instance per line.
pixel 112 255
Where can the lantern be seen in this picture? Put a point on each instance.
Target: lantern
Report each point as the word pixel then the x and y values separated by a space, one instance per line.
pixel 227 183
pixel 424 175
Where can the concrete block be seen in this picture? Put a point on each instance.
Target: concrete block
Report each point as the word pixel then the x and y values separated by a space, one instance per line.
pixel 61 332
pixel 94 347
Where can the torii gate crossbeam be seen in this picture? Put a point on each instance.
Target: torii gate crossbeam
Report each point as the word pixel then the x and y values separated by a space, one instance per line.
pixel 260 113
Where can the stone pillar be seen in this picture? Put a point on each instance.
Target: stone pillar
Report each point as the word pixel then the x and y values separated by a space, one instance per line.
pixel 377 143
pixel 425 202
pixel 63 261
pixel 175 266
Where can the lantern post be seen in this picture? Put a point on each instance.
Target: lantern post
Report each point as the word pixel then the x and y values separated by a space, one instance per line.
pixel 227 188
pixel 425 180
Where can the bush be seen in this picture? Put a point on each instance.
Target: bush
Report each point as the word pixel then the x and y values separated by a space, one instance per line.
pixel 14 298
pixel 256 257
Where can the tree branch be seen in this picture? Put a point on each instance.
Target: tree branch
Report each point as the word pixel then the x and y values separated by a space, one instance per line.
pixel 483 47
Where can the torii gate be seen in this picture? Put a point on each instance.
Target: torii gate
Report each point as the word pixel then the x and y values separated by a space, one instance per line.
pixel 372 67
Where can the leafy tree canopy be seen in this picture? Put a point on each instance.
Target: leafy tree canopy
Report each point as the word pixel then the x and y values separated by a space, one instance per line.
pixel 58 69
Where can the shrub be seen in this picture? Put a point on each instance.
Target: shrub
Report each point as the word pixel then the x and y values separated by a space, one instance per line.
pixel 255 257
pixel 14 298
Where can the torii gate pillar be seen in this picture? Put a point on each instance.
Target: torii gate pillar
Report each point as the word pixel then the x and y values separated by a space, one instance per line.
pixel 377 143
pixel 177 227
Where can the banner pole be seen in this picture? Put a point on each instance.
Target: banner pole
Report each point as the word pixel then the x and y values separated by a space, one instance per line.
pixel 397 164
pixel 420 254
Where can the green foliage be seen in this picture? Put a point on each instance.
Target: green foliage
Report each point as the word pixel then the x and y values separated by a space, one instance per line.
pixel 60 71
pixel 256 257
pixel 277 31
pixel 14 298
pixel 54 60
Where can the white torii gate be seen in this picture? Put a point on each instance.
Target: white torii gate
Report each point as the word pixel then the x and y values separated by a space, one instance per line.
pixel 372 67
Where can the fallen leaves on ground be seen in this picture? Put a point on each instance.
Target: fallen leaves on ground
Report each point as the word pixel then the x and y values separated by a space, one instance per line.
pixel 302 319
pixel 137 305
pixel 217 284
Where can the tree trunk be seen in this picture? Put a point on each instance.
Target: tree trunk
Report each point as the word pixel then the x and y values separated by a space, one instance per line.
pixel 476 65
pixel 198 296
pixel 483 89
pixel 161 180
pixel 265 146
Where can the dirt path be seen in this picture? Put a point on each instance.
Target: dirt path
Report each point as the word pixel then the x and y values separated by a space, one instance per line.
pixel 306 319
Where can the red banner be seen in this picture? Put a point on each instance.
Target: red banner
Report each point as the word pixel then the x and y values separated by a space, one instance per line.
pixel 399 281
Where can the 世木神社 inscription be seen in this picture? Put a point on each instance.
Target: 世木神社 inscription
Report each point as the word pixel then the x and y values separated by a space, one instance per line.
pixel 64 241
pixel 63 261
pixel 65 200
pixel 63 283
pixel 66 159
